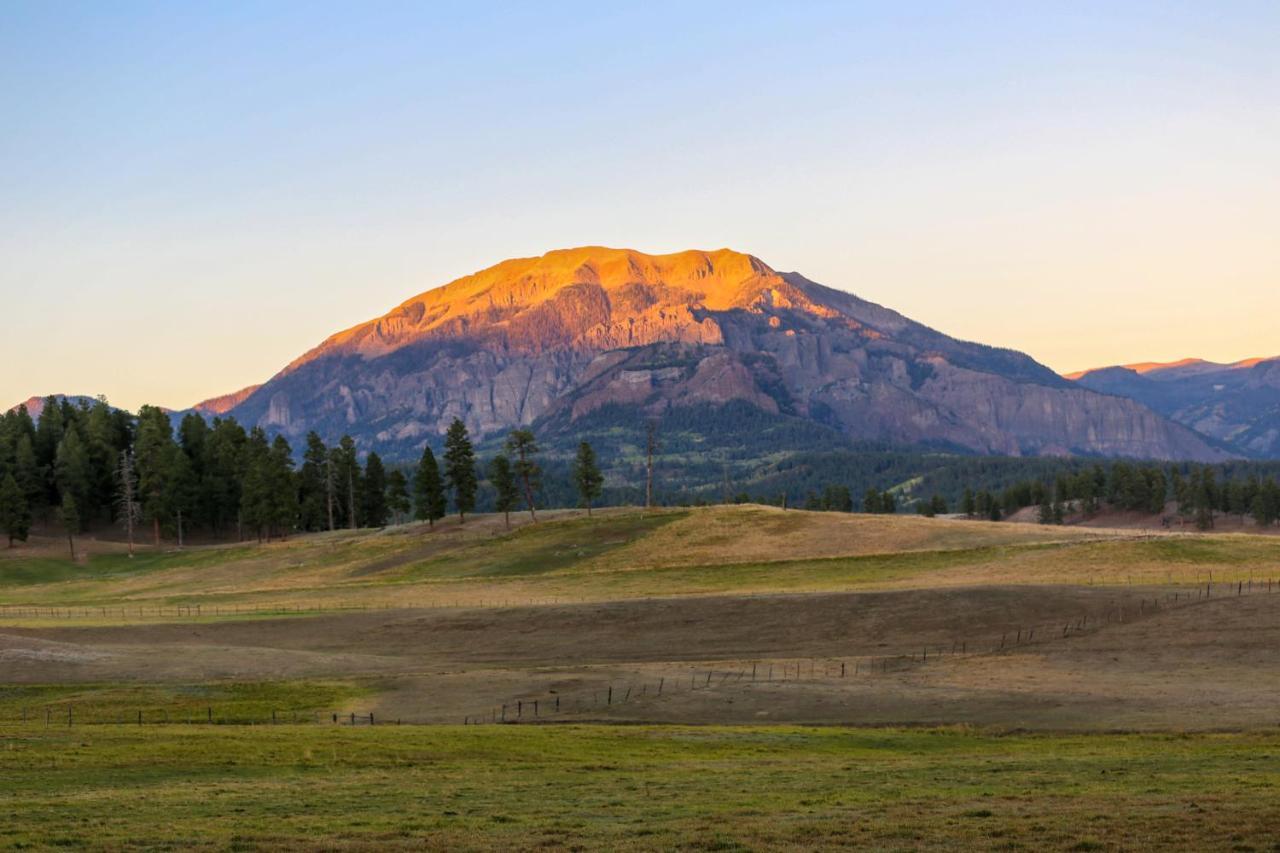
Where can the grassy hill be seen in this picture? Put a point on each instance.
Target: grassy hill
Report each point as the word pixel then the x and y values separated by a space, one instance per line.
pixel 619 554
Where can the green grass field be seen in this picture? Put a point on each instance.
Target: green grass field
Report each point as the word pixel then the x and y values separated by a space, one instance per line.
pixel 566 787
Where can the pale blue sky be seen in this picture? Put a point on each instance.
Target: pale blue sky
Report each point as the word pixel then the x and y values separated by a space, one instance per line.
pixel 191 194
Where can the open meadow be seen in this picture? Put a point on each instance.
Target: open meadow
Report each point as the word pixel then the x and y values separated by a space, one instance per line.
pixel 787 679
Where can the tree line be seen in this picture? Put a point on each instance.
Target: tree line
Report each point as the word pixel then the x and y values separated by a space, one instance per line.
pixel 1199 494
pixel 85 463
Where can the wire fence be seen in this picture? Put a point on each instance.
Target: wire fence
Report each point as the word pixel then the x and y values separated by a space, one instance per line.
pixel 607 698
pixel 1124 611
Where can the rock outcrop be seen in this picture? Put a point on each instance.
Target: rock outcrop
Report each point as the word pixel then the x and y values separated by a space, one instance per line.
pixel 574 330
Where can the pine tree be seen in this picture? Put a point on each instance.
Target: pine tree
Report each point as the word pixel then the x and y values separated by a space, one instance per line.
pixel 523 447
pixel 71 468
pixel 503 480
pixel 282 486
pixel 48 435
pixel 256 510
pixel 223 476
pixel 837 499
pixel 104 439
pixel 460 468
pixel 347 475
pixel 888 503
pixel 154 463
pixel 1045 515
pixel 1266 504
pixel 871 501
pixel 181 490
pixel 27 472
pixel 587 476
pixel 428 490
pixel 398 496
pixel 968 505
pixel 374 491
pixel 312 487
pixel 15 514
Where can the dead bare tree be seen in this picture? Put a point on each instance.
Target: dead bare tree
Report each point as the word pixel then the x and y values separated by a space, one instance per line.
pixel 127 496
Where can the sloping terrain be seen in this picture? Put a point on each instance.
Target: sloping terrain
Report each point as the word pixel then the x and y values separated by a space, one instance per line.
pixel 725 614
pixel 1237 404
pixel 554 338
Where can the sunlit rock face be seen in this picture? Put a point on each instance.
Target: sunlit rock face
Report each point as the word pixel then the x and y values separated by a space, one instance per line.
pixel 577 329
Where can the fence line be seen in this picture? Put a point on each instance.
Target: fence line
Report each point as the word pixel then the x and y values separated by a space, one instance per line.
pixel 786 670
pixel 871 665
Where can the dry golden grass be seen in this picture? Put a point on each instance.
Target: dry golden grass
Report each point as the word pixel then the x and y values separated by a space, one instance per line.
pixel 724 535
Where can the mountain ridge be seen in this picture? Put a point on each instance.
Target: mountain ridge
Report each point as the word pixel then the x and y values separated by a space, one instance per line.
pixel 561 334
pixel 1237 404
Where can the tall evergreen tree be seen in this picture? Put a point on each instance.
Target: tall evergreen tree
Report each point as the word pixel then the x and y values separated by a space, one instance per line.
pixel 428 490
pixel 347 474
pixel 49 431
pixel 374 492
pixel 71 469
pixel 1045 514
pixel 256 499
pixel 397 495
pixel 26 470
pixel 502 478
pixel 460 468
pixel 15 514
pixel 836 498
pixel 872 501
pixel 283 516
pixel 154 460
pixel 313 491
pixel 103 439
pixel 523 447
pixel 587 476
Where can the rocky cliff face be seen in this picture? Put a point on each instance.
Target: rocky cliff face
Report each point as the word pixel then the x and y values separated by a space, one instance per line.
pixel 1237 404
pixel 562 335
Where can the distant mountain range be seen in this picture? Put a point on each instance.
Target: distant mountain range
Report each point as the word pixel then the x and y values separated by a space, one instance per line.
pixel 1237 404
pixel 616 338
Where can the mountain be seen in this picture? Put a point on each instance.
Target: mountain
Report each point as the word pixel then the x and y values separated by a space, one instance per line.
pixel 552 339
pixel 35 405
pixel 225 403
pixel 1238 404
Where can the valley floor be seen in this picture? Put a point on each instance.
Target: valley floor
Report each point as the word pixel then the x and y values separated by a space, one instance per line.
pixel 223 696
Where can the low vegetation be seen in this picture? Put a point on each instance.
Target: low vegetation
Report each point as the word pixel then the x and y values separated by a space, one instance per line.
pixel 485 787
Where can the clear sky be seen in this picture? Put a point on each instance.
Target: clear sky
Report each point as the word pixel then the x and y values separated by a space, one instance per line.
pixel 191 194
